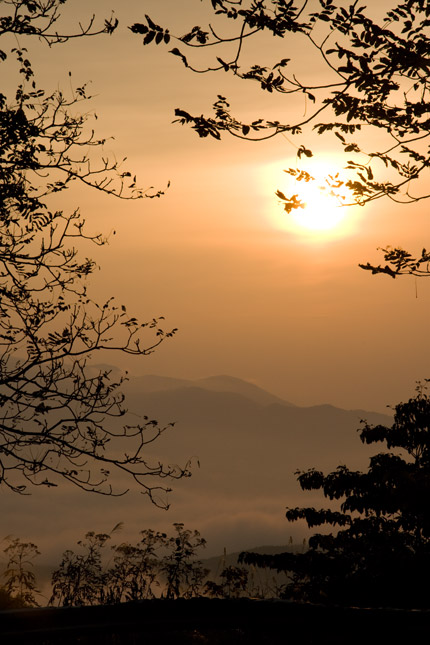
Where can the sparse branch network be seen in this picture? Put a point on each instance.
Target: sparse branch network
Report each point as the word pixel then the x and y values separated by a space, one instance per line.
pixel 58 418
pixel 374 104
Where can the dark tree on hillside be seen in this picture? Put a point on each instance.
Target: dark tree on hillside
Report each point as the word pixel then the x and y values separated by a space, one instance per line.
pixel 379 553
pixel 58 419
pixel 366 89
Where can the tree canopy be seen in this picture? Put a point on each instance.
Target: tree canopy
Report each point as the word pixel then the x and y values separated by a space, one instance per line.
pixel 363 76
pixel 58 418
pixel 380 552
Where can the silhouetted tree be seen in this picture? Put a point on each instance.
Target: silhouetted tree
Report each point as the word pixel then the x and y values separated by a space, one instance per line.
pixel 59 420
pixel 133 574
pixel 20 580
pixel 234 583
pixel 183 573
pixel 81 578
pixel 380 554
pixel 365 88
pixel 158 560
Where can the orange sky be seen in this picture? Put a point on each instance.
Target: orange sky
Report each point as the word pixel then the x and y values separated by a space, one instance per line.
pixel 292 314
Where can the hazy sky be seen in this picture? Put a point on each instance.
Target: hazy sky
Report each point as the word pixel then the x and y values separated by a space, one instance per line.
pixel 216 256
pixel 252 296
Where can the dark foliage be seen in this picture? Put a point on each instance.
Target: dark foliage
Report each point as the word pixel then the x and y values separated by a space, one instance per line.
pixel 374 104
pixel 233 584
pixel 20 587
pixel 380 554
pixel 157 566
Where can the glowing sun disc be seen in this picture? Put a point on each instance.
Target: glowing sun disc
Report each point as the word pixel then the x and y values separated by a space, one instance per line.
pixel 322 214
pixel 322 211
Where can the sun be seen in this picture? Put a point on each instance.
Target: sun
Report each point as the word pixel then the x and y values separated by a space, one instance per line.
pixel 322 211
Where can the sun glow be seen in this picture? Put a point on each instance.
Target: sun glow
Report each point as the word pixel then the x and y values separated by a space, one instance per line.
pixel 321 212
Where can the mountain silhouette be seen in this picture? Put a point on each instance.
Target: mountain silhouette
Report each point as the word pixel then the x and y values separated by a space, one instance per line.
pixel 241 444
pixel 221 383
pixel 245 446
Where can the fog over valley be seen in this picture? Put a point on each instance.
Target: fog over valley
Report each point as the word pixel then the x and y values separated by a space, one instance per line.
pixel 244 445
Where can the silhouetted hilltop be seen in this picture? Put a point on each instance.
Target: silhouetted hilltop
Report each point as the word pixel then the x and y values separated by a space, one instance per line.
pixel 239 386
pixel 155 383
pixel 193 404
pixel 245 447
pixel 221 383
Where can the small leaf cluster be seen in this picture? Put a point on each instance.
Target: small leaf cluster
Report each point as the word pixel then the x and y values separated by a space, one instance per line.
pixel 151 31
pixel 401 262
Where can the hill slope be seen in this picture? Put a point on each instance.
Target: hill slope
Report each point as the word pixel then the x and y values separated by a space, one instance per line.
pixel 245 446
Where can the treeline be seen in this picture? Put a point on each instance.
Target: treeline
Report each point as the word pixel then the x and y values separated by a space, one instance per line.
pixel 158 565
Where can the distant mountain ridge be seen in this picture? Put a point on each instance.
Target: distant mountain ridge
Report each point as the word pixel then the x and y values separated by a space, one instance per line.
pixel 245 446
pixel 220 383
pixel 246 441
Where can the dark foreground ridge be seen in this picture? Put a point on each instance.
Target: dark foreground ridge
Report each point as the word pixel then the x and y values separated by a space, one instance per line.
pixel 207 621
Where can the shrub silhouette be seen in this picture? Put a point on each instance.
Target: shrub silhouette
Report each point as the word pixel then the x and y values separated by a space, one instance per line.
pixel 20 587
pixel 157 566
pixel 380 553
